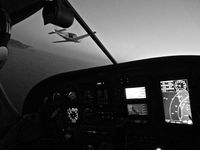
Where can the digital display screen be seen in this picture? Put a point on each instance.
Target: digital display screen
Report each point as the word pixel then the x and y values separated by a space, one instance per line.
pixel 176 101
pixel 137 109
pixel 135 93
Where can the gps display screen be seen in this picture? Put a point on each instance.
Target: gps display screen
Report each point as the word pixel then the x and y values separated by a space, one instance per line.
pixel 135 93
pixel 137 109
pixel 176 101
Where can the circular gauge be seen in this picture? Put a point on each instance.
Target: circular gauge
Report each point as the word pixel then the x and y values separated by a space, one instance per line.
pixel 57 99
pixel 73 114
pixel 72 95
pixel 56 96
pixel 45 100
pixel 180 85
pixel 88 115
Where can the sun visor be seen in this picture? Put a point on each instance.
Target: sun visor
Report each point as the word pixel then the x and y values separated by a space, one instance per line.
pixel 58 13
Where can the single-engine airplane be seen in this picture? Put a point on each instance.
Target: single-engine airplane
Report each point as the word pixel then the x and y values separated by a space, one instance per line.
pixel 69 37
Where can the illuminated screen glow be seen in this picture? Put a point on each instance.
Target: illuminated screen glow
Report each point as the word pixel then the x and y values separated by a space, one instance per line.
pixel 137 109
pixel 176 101
pixel 135 93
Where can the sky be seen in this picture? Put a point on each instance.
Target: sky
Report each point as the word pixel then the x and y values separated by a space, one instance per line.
pixel 129 29
pixel 137 29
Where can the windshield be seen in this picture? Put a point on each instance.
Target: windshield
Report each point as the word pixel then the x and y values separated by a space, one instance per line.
pixel 129 29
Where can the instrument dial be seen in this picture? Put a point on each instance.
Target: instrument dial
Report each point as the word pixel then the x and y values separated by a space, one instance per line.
pixel 72 95
pixel 73 114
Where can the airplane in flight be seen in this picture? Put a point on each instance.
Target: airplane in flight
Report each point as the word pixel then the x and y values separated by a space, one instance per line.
pixel 69 37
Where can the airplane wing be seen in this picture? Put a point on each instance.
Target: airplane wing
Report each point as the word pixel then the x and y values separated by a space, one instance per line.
pixel 64 37
pixel 81 37
pixel 67 39
pixel 60 41
pixel 60 30
pixel 53 32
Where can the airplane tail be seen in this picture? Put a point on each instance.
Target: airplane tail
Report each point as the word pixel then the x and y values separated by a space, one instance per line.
pixel 59 41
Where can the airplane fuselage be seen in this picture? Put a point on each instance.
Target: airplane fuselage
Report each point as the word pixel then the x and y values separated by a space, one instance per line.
pixel 69 37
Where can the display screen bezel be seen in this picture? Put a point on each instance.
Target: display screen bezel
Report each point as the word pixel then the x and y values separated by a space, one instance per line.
pixel 137 109
pixel 135 92
pixel 175 109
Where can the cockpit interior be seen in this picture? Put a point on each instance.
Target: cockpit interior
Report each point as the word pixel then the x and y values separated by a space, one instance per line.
pixel 144 104
pixel 150 103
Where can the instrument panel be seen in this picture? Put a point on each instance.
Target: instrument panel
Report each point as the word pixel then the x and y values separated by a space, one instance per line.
pixel 144 104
